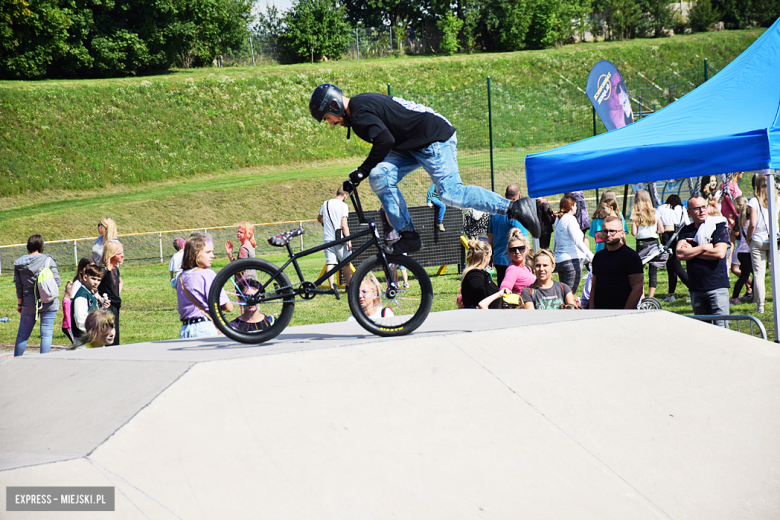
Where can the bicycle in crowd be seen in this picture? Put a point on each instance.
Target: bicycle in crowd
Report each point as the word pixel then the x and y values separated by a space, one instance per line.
pixel 263 297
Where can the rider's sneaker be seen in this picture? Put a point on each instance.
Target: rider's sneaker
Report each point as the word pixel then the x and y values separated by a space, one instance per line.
pixel 524 211
pixel 735 301
pixel 408 243
pixel 441 227
pixel 669 299
pixel 406 285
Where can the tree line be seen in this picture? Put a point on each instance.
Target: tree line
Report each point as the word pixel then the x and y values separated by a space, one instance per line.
pixel 106 38
pixel 322 28
pixel 101 38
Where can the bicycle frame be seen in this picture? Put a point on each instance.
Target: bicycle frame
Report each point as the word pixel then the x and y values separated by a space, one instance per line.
pixel 306 291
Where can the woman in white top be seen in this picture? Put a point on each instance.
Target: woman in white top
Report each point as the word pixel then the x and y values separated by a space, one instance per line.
pixel 757 236
pixel 646 226
pixel 570 247
pixel 107 230
pixel 673 214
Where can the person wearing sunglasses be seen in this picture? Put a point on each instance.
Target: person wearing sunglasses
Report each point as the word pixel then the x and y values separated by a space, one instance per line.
pixel 703 245
pixel 618 275
pixel 518 275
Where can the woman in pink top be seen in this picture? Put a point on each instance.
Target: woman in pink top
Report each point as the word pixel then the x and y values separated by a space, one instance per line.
pixel 518 275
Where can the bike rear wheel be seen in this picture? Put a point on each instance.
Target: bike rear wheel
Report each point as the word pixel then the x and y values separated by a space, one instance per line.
pixel 397 307
pixel 247 284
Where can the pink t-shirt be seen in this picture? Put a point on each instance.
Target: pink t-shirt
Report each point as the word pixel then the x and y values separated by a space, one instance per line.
pixel 517 278
pixel 198 284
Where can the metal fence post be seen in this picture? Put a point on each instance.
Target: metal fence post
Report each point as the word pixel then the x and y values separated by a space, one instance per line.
pixel 76 252
pixel 300 225
pixel 706 72
pixel 594 119
pixel 357 42
pixel 490 131
pixel 161 252
pixel 252 50
pixel 391 40
pixel 389 90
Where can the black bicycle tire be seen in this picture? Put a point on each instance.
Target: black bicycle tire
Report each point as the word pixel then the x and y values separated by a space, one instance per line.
pixel 419 316
pixel 280 322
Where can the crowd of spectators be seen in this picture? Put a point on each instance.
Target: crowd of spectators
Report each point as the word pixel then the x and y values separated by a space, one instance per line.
pixel 715 235
pixel 717 232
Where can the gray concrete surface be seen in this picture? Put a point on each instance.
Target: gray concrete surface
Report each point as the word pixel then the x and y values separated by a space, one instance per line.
pixel 479 414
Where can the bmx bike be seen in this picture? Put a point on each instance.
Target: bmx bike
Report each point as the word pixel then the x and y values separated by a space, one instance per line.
pixel 263 298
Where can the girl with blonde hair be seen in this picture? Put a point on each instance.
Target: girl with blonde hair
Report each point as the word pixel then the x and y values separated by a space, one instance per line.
pixel 646 226
pixel 607 208
pixel 757 236
pixel 545 293
pixel 518 275
pixel 478 290
pixel 100 331
pixel 192 291
pixel 107 230
pixel 111 284
pixel 371 300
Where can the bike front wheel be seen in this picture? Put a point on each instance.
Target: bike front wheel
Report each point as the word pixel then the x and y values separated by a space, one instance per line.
pixel 250 302
pixel 394 303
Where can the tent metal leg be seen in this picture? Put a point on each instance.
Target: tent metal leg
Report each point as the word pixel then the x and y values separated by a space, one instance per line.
pixel 772 200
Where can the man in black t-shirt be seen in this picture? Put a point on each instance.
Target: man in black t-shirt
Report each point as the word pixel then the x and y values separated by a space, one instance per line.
pixel 406 136
pixel 703 245
pixel 618 274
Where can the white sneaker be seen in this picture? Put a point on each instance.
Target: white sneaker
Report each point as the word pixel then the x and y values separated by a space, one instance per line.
pixel 669 298
pixel 406 285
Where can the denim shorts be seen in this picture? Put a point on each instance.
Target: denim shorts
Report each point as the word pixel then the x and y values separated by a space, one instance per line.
pixel 202 329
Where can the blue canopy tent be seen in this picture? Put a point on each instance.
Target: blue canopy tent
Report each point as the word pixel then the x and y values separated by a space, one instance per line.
pixel 730 123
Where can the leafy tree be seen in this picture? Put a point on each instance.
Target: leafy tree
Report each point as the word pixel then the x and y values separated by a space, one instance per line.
pixel 739 14
pixel 622 17
pixel 66 38
pixel 556 22
pixel 508 22
pixel 315 28
pixel 449 25
pixel 658 15
pixel 703 15
pixel 471 25
pixel 32 37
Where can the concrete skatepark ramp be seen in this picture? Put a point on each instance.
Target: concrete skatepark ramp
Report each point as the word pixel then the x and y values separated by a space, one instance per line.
pixel 476 415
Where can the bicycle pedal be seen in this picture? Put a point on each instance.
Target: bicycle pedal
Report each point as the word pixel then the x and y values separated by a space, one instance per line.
pixel 336 292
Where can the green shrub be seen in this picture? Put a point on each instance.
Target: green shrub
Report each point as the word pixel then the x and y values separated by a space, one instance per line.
pixel 450 25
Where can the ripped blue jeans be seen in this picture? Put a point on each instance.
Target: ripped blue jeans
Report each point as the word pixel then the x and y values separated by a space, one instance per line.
pixel 439 159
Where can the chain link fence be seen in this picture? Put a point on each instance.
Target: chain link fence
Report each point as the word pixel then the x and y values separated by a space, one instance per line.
pixel 157 246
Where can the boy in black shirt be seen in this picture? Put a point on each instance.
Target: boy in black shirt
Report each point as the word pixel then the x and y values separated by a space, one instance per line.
pixel 404 137
pixel 618 274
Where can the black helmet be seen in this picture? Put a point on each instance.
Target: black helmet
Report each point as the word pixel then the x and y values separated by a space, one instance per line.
pixel 326 99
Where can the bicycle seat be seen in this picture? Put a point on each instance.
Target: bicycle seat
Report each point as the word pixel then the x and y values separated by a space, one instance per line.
pixel 283 239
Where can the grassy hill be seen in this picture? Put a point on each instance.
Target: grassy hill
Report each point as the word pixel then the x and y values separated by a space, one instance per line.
pixel 95 134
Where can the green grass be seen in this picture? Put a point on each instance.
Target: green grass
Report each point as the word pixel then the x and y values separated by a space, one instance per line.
pixel 102 133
